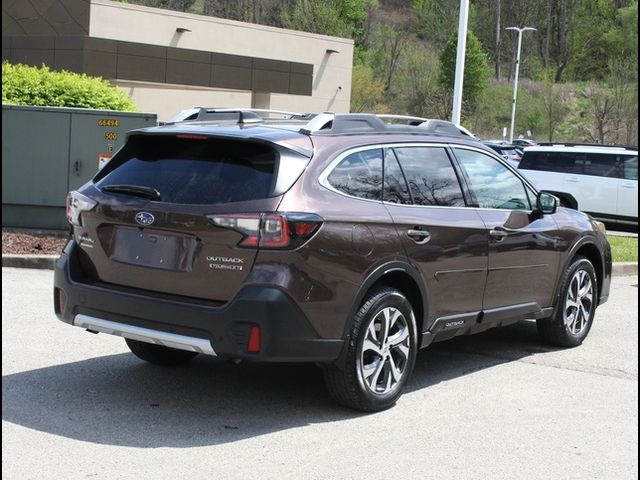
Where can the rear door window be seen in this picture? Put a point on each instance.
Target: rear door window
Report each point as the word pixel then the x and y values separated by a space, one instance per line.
pixel 560 162
pixel 194 170
pixel 395 183
pixel 601 165
pixel 430 175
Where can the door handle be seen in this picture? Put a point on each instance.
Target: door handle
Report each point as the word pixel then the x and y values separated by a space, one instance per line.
pixel 419 236
pixel 77 167
pixel 573 180
pixel 498 233
pixel 629 186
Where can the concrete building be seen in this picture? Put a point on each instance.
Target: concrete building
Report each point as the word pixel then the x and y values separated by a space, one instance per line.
pixel 168 61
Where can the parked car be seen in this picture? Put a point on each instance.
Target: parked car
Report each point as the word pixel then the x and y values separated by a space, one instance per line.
pixel 600 180
pixel 509 152
pixel 524 142
pixel 343 240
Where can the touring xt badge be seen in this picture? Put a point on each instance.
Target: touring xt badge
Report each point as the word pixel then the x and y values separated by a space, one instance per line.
pixel 226 263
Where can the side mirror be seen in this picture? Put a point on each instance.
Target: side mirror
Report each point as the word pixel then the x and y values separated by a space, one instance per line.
pixel 547 203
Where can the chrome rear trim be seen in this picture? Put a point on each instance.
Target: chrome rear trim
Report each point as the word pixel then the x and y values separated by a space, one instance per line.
pixel 171 340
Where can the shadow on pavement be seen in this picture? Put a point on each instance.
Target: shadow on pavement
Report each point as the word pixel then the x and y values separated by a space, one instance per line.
pixel 119 400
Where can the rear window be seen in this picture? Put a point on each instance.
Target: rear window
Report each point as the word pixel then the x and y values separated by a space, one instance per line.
pixel 193 170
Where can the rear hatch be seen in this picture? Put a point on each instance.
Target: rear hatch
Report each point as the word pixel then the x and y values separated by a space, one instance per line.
pixel 162 208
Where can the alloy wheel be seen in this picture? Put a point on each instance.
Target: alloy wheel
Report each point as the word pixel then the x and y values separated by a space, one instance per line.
pixel 579 302
pixel 385 351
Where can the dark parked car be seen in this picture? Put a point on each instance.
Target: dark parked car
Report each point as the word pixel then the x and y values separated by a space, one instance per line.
pixel 336 239
pixel 511 153
pixel 524 142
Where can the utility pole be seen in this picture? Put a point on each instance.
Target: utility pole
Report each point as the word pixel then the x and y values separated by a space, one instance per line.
pixel 515 82
pixel 462 47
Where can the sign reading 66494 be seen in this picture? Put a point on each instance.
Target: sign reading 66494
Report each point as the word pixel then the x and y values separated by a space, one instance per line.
pixel 108 122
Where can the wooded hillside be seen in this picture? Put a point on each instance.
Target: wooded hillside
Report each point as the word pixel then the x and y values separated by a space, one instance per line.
pixel 578 75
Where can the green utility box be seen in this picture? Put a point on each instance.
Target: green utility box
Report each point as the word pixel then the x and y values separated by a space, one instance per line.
pixel 48 151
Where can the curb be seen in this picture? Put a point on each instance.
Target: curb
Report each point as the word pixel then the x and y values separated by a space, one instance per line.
pixel 625 268
pixel 47 262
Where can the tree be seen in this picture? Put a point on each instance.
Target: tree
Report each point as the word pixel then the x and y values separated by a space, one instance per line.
pixel 342 18
pixel 386 49
pixel 476 69
pixel 179 5
pixel 367 92
pixel 435 19
pixel 554 102
pixel 265 12
pixel 561 18
pixel 419 92
pixel 600 113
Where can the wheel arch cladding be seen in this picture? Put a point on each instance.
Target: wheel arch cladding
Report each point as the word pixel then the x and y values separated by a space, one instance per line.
pixel 406 284
pixel 591 253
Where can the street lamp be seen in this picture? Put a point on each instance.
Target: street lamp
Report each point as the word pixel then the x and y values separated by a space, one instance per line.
pixel 459 78
pixel 515 82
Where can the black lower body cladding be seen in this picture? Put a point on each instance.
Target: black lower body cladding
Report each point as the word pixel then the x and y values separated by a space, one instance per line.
pixel 286 334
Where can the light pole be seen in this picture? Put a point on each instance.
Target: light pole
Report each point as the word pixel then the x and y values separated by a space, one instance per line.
pixel 515 82
pixel 462 45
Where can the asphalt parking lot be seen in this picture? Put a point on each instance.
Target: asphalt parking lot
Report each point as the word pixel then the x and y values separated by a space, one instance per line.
pixel 498 405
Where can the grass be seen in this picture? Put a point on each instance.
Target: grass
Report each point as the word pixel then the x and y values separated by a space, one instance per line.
pixel 624 249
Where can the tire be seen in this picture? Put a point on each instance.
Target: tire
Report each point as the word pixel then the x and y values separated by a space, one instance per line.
pixel 365 380
pixel 159 355
pixel 573 316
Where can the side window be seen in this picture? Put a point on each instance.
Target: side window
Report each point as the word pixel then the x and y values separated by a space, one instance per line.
pixel 630 168
pixel 395 184
pixel 430 175
pixel 494 185
pixel 359 175
pixel 553 162
pixel 601 165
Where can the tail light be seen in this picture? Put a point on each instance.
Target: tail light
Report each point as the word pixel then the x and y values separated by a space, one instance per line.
pixel 270 230
pixel 76 204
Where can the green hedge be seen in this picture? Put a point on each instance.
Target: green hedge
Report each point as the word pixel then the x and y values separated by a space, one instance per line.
pixel 23 85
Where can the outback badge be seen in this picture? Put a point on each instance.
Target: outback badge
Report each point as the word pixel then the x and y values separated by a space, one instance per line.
pixel 145 218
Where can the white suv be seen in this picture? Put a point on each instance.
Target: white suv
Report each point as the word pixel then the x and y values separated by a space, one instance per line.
pixel 599 180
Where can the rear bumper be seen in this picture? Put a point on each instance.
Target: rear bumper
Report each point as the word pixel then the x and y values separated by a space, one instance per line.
pixel 191 324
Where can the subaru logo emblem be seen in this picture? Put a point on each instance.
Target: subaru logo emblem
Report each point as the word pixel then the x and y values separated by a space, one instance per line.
pixel 145 218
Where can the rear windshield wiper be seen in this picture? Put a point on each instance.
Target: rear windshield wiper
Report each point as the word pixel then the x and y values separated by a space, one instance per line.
pixel 137 190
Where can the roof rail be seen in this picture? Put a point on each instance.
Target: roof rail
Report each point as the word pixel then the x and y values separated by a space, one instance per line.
pixel 241 115
pixel 345 123
pixel 597 145
pixel 412 120
pixel 327 122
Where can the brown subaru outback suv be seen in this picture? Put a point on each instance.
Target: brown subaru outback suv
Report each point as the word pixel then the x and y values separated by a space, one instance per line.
pixel 348 240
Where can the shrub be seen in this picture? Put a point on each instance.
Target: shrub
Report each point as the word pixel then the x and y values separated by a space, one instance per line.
pixel 476 68
pixel 24 85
